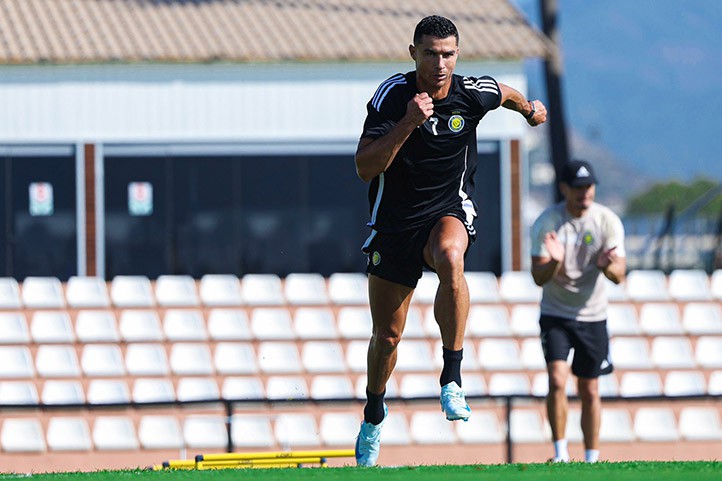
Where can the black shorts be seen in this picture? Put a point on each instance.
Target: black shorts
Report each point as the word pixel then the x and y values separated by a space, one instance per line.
pixel 590 341
pixel 399 256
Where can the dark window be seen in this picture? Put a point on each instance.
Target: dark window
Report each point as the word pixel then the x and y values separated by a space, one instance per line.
pixel 40 232
pixel 257 214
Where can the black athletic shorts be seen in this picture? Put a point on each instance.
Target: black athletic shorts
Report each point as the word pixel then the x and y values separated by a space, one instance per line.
pixel 399 256
pixel 590 341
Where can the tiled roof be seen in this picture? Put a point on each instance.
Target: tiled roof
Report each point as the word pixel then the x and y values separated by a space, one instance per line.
pixel 81 31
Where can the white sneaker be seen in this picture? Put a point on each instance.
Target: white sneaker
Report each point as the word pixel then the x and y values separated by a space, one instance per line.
pixel 557 459
pixel 368 441
pixel 453 403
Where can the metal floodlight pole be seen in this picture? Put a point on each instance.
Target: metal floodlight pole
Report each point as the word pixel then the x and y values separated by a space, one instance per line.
pixel 553 70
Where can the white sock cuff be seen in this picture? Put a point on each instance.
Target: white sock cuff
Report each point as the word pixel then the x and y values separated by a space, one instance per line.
pixel 591 455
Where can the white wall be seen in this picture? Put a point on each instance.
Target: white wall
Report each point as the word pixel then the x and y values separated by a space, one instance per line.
pixel 210 103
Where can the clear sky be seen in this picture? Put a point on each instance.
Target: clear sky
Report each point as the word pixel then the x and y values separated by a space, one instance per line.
pixel 643 78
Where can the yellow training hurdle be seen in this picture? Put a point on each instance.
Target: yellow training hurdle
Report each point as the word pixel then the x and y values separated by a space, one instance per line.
pixel 279 459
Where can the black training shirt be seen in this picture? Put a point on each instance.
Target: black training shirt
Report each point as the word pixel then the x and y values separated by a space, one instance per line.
pixel 434 170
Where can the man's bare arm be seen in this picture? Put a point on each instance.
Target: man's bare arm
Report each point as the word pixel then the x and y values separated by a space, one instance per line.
pixel 514 100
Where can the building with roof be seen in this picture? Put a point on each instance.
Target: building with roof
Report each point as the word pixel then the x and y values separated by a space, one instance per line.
pixel 178 136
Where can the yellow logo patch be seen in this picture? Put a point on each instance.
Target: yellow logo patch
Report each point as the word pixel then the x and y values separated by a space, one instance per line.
pixel 376 258
pixel 456 123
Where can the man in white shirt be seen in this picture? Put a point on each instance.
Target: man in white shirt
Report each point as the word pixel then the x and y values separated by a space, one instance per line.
pixel 575 245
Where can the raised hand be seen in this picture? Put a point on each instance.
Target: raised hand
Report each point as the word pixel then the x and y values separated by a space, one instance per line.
pixel 606 257
pixel 554 246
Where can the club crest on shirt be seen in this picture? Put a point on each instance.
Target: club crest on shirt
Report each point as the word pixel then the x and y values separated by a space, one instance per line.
pixel 456 123
pixel 376 258
pixel 588 238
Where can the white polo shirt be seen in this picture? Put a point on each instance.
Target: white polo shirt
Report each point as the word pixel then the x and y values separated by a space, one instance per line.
pixel 578 290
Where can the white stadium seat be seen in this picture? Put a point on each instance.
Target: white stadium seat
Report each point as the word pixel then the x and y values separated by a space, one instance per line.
pixel 660 318
pixel 16 362
pixel 140 325
pixel 700 424
pixel 684 383
pixel 354 322
pixel 323 357
pixel 205 432
pixel 131 291
pixel 336 428
pixel 499 355
pixel 146 359
pixel 672 352
pixel 243 388
pixel 229 325
pixel 286 387
pixel 84 292
pixel 348 288
pixel 96 326
pixel 305 289
pixel 616 426
pixel 272 323
pixel 176 291
pixel 191 359
pixel 52 326
pixel 279 357
pixel 114 433
pixel 488 321
pixel 251 431
pixel 428 427
pixel 647 285
pixel 314 323
pixel 636 384
pixel 519 286
pixel 655 424
pixel 702 318
pixel 57 361
pixel 527 427
pixel 262 290
pixel 9 293
pixel 220 290
pixel 687 285
pixel 184 325
pixel 102 360
pixel 148 390
pixel 108 391
pixel 622 320
pixel 14 328
pixel 22 435
pixel 63 392
pixel 332 387
pixel 483 287
pixel 630 353
pixel 197 389
pixel 18 392
pixel 68 434
pixel 42 293
pixel 296 429
pixel 235 358
pixel 160 432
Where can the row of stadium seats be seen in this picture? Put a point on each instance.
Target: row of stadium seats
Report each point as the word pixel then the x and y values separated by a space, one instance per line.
pixel 314 289
pixel 349 322
pixel 334 429
pixel 282 357
pixel 629 384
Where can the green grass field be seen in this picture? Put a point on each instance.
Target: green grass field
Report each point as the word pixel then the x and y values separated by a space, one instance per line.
pixel 637 471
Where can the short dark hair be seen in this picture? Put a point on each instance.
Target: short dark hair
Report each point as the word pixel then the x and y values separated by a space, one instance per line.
pixel 435 26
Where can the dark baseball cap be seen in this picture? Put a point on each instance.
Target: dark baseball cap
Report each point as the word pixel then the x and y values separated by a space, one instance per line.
pixel 577 173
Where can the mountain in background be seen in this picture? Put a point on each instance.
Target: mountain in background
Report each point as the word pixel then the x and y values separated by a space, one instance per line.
pixel 642 83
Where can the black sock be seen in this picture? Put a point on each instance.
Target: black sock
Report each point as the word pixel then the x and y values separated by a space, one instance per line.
pixel 452 367
pixel 374 409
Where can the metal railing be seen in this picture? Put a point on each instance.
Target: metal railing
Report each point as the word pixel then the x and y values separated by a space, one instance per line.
pixel 229 405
